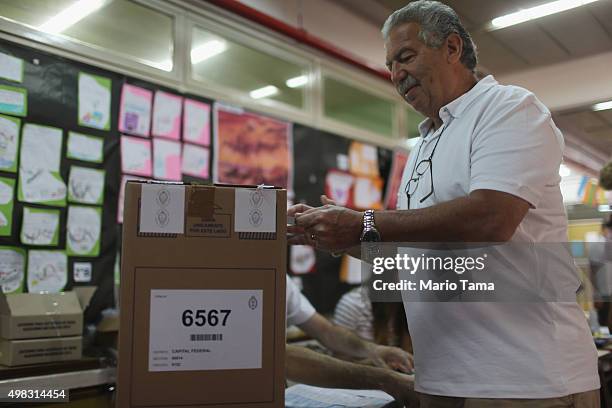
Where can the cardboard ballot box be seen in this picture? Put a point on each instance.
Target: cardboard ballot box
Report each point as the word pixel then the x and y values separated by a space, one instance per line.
pixel 202 320
pixel 37 315
pixel 37 351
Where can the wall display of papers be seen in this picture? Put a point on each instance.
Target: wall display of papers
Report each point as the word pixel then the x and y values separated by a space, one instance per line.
pixel 47 271
pixel 196 161
pixel 196 126
pixel 400 158
pixel 135 110
pixel 7 195
pixel 136 156
pixel 252 149
pixel 13 100
pixel 94 101
pixel 167 115
pixel 85 148
pixel 11 68
pixel 12 269
pixel 9 143
pixel 39 166
pixel 124 179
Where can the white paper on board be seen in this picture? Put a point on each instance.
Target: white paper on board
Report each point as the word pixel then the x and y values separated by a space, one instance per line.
pixel 11 67
pixel 9 140
pixel 41 147
pixel 86 148
pixel 84 227
pixel 94 102
pixel 12 269
pixel 47 271
pixel 38 227
pixel 86 185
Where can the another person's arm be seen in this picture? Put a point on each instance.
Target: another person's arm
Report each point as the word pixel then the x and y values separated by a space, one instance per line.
pixel 346 343
pixel 309 367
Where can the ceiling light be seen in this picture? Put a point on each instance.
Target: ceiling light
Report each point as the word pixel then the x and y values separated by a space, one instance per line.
pixel 536 12
pixel 297 81
pixel 207 50
pixel 71 15
pixel 263 92
pixel 602 106
pixel 564 171
pixel 605 208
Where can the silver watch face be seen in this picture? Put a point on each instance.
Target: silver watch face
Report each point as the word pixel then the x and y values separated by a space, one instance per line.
pixel 370 235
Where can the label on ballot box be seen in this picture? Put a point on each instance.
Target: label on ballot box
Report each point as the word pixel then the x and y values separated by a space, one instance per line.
pixel 205 330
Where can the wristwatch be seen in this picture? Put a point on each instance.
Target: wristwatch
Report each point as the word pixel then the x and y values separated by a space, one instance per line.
pixel 369 232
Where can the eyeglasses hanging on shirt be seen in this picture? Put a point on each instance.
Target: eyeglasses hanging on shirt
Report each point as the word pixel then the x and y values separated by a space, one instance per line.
pixel 420 169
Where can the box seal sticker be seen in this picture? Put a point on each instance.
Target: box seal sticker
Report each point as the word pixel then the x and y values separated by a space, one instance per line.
pixel 162 209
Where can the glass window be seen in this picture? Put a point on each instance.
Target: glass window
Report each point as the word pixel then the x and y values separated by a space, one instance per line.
pixel 358 108
pixel 219 61
pixel 413 118
pixel 135 31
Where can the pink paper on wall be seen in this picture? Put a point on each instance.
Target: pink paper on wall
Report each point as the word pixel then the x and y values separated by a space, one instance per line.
pixel 124 179
pixel 136 156
pixel 167 115
pixel 135 110
pixel 167 160
pixel 196 161
pixel 196 122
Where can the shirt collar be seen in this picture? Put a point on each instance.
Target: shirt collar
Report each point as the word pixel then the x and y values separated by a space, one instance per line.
pixel 456 107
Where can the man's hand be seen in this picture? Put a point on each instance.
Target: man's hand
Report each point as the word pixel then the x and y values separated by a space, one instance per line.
pixel 329 227
pixel 401 387
pixel 393 358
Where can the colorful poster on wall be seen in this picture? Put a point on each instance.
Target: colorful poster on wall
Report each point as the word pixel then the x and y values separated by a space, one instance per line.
pixel 12 269
pixel 7 192
pixel 367 193
pixel 196 126
pixel 302 259
pixel 47 271
pixel 196 161
pixel 39 166
pixel 135 110
pixel 167 160
pixel 13 100
pixel 11 68
pixel 9 143
pixel 40 227
pixel 338 185
pixel 136 156
pixel 167 115
pixel 363 159
pixel 94 101
pixel 252 149
pixel 400 158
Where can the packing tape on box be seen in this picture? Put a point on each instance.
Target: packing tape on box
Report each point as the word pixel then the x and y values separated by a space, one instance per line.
pixel 201 202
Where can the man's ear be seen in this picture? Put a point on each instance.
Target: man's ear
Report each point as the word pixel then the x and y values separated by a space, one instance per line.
pixel 454 48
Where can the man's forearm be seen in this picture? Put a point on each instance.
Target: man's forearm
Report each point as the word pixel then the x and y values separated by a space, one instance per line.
pixel 309 367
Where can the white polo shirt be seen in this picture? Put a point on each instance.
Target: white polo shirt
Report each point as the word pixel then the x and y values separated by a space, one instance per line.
pixel 299 309
pixel 498 138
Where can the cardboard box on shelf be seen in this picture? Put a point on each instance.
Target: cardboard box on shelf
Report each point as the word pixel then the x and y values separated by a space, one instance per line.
pixel 202 318
pixel 36 351
pixel 38 315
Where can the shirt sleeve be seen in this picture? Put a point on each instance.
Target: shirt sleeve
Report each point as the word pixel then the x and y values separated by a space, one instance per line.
pixel 347 312
pixel 518 150
pixel 299 309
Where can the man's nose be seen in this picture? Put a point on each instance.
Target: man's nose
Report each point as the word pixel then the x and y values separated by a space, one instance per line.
pixel 397 73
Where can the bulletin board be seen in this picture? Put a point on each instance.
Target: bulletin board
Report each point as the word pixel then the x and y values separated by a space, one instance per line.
pixel 52 85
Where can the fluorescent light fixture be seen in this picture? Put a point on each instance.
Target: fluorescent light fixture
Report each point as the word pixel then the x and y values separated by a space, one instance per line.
pixel 71 15
pixel 207 50
pixel 537 12
pixel 564 171
pixel 263 92
pixel 604 208
pixel 602 106
pixel 297 81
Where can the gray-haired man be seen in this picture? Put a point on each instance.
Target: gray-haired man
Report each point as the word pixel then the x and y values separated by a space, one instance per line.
pixel 488 162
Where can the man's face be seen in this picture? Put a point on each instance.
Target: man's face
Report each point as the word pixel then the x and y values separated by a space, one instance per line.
pixel 417 71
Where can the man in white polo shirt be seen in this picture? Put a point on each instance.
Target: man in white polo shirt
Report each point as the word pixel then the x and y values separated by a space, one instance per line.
pixel 485 170
pixel 309 367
